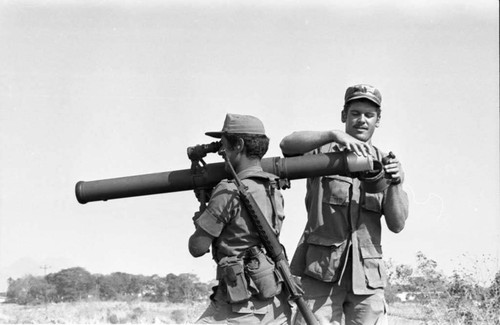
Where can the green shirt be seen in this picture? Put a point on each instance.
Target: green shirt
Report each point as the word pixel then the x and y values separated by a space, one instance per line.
pixel 343 232
pixel 228 221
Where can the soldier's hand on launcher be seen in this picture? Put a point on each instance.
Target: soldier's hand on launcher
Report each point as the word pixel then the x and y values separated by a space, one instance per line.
pixel 392 167
pixel 352 144
pixel 207 194
pixel 197 214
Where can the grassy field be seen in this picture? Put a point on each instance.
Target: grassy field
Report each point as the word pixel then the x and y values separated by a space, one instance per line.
pixel 138 312
pixel 95 312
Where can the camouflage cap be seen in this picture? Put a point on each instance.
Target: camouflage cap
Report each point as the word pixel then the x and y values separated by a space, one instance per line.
pixel 235 123
pixel 363 91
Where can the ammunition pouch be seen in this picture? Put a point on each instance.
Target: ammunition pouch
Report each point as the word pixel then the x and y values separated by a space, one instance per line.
pixel 252 275
pixel 265 280
pixel 233 279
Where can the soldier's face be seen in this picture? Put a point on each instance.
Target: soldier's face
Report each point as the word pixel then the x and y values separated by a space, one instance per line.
pixel 231 153
pixel 360 120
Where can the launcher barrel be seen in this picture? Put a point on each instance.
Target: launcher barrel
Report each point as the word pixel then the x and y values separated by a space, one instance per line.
pixel 335 163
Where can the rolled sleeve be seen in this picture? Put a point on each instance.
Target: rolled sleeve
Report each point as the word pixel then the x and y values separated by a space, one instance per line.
pixel 218 212
pixel 210 223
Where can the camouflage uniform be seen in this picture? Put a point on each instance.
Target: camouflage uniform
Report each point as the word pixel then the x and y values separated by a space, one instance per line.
pixel 228 221
pixel 339 255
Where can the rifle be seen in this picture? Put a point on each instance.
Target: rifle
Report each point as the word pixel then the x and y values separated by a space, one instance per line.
pixel 273 247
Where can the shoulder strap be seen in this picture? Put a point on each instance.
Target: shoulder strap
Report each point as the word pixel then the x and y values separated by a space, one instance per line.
pixel 270 185
pixel 379 153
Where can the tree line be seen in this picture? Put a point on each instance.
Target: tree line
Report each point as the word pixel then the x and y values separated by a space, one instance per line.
pixel 422 284
pixel 76 283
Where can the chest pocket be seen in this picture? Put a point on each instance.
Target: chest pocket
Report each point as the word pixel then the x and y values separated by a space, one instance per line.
pixel 373 202
pixel 335 190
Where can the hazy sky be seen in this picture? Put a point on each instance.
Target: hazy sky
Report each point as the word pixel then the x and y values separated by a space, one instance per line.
pixel 100 89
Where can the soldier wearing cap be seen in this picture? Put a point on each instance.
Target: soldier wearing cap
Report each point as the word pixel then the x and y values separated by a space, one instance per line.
pixel 339 256
pixel 248 291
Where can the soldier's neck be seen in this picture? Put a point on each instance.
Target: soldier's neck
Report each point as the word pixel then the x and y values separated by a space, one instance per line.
pixel 246 163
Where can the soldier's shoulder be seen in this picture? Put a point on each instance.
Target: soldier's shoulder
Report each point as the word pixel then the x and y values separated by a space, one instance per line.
pixel 225 184
pixel 262 175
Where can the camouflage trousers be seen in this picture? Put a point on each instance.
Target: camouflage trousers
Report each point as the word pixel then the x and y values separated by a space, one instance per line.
pixel 275 311
pixel 334 304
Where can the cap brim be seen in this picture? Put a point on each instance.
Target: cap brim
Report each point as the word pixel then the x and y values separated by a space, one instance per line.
pixel 364 97
pixel 214 134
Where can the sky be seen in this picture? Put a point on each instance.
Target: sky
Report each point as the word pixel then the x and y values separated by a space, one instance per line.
pixel 101 89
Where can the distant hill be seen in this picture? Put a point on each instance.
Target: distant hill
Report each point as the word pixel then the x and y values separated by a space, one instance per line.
pixel 26 265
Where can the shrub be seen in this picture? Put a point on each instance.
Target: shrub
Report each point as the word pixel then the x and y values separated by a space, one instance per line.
pixel 29 290
pixel 179 316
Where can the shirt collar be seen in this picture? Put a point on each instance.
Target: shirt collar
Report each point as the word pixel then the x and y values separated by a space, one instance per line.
pixel 249 171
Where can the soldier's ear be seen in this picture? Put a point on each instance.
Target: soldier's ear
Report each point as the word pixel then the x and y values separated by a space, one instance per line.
pixel 377 124
pixel 240 145
pixel 343 116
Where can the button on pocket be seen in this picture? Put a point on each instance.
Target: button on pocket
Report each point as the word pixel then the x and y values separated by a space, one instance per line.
pixel 335 190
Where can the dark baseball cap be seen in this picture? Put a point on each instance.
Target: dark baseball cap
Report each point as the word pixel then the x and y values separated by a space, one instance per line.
pixel 235 123
pixel 363 91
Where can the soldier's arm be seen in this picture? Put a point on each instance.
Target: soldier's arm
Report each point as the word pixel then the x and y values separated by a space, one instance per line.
pixel 211 221
pixel 300 142
pixel 396 199
pixel 199 242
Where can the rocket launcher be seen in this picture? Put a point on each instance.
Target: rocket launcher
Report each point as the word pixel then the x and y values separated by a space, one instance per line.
pixel 205 176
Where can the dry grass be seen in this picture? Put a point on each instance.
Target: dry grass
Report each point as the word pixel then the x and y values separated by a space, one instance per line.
pixel 96 312
pixel 139 312
pixel 412 314
pixel 437 313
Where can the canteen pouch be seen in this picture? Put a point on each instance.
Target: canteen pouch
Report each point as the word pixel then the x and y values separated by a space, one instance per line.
pixel 233 276
pixel 264 278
